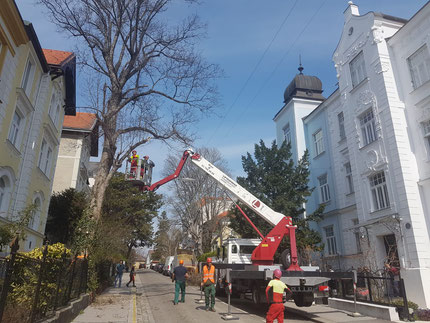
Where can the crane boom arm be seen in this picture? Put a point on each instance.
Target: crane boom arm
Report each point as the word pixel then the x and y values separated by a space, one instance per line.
pixel 242 194
pixel 263 253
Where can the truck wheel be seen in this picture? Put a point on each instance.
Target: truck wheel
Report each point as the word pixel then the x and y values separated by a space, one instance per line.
pixel 303 299
pixel 286 258
pixel 256 294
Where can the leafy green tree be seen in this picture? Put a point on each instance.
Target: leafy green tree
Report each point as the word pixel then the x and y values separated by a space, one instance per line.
pixel 131 210
pixel 65 211
pixel 273 177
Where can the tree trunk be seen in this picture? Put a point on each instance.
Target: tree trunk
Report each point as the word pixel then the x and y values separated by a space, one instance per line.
pixel 129 249
pixel 103 176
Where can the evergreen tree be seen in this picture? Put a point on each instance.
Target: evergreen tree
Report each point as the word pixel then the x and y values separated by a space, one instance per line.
pixel 132 210
pixel 161 241
pixel 65 211
pixel 273 178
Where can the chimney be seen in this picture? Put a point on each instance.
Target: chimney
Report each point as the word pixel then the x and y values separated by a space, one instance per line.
pixel 352 10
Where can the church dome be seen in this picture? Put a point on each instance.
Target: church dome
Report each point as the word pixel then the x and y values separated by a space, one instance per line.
pixel 304 86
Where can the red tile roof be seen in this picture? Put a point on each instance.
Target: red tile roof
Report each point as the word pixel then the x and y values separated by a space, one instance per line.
pixel 57 57
pixel 82 121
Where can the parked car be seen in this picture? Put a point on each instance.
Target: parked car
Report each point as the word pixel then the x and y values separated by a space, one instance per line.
pixel 160 268
pixel 167 269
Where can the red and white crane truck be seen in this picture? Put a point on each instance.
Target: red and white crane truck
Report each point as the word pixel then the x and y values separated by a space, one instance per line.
pixel 252 279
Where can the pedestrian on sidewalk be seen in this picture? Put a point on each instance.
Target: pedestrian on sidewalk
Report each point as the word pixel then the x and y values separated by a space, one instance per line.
pixel 179 277
pixel 209 284
pixel 132 274
pixel 119 269
pixel 274 295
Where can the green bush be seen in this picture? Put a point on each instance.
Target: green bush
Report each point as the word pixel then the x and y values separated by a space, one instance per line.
pixel 26 274
pixel 399 303
pixel 204 256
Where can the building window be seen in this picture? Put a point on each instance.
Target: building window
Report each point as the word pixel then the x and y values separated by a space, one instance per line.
pixel 426 129
pixel 419 65
pixel 287 133
pixel 341 122
pixel 2 191
pixel 379 191
pixel 358 69
pixel 349 182
pixel 15 129
pixel 27 79
pixel 356 235
pixel 330 240
pixel 45 158
pixel 54 109
pixel 324 189
pixel 368 129
pixel 318 142
pixel 5 189
pixel 35 218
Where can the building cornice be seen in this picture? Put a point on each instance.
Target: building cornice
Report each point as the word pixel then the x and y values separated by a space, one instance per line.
pixel 13 21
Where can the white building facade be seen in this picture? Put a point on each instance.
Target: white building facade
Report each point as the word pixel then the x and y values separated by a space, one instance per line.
pixel 378 146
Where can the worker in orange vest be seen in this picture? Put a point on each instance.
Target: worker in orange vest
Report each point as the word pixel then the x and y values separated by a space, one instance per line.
pixel 274 294
pixel 208 284
pixel 134 159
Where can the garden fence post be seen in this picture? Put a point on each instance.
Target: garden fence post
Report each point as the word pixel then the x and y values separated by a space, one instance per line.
pixel 369 287
pixel 405 299
pixel 39 283
pixel 9 271
pixel 71 279
pixel 60 274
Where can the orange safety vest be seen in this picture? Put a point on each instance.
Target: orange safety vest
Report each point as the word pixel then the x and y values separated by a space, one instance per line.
pixel 209 274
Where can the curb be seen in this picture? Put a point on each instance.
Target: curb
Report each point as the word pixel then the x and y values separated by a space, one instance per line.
pixel 69 313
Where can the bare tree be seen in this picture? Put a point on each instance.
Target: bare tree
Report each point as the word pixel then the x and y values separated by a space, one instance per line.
pixel 149 80
pixel 196 198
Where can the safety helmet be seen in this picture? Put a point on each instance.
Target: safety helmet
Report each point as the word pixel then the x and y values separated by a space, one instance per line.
pixel 277 273
pixel 181 262
pixel 134 151
pixel 146 157
pixel 209 260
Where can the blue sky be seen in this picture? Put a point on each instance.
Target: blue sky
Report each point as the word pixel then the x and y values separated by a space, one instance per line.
pixel 238 33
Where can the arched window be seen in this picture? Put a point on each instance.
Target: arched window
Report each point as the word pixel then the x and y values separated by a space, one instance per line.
pixel 35 219
pixel 5 194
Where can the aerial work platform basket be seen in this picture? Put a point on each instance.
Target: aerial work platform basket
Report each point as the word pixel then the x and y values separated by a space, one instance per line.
pixel 140 174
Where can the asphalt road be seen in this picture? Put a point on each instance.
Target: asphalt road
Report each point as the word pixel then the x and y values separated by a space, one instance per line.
pixel 159 291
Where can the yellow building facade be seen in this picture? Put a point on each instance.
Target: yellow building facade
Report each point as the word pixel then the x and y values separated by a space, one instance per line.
pixel 37 87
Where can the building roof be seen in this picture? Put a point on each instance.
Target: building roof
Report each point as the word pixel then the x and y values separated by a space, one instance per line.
pixel 389 17
pixel 304 86
pixel 83 121
pixel 57 57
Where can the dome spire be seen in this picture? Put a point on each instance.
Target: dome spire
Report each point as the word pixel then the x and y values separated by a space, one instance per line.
pixel 301 68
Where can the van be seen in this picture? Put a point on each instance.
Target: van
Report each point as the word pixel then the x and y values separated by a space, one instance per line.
pixel 188 262
pixel 168 267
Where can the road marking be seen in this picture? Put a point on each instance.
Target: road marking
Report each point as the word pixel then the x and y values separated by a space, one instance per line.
pixel 134 308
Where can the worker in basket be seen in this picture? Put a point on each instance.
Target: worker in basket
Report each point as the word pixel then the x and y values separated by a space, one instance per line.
pixel 275 297
pixel 134 159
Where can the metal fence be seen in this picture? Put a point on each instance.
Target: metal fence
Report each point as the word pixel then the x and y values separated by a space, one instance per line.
pixel 33 289
pixel 381 289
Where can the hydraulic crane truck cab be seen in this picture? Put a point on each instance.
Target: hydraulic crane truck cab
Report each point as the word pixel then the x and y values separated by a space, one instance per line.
pixel 239 251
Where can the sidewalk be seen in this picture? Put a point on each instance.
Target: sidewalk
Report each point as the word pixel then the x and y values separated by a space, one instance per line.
pixel 326 314
pixel 119 305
